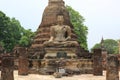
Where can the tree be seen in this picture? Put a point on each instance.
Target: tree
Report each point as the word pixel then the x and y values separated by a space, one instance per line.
pixel 5 35
pixel 80 29
pixel 11 32
pixel 26 38
pixel 110 45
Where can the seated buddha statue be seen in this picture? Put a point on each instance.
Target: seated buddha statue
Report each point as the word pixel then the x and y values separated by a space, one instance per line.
pixel 60 34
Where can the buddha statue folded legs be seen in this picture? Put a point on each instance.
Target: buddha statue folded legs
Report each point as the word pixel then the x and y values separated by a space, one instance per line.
pixel 61 44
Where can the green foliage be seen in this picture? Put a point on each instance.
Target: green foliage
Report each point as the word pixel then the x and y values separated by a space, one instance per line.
pixel 96 46
pixel 26 39
pixel 80 29
pixel 110 45
pixel 6 37
pixel 11 32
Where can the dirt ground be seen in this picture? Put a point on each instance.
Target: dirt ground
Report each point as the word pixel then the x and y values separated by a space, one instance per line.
pixel 50 77
pixel 46 77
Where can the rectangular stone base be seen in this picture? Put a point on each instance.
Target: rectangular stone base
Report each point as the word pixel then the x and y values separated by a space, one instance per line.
pixel 70 52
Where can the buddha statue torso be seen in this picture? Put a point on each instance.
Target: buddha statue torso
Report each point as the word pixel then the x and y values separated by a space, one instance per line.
pixel 60 32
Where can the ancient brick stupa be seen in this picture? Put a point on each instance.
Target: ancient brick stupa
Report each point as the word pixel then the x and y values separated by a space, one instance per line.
pixel 49 19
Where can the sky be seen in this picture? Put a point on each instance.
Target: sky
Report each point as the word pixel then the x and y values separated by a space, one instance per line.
pixel 102 17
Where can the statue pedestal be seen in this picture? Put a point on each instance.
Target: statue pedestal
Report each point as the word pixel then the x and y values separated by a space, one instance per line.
pixel 60 52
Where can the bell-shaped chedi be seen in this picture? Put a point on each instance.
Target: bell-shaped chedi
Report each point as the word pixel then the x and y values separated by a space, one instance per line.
pixel 49 19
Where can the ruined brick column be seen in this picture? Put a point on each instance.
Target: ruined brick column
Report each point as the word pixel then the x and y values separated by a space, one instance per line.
pixel 97 62
pixel 112 68
pixel 7 68
pixel 23 62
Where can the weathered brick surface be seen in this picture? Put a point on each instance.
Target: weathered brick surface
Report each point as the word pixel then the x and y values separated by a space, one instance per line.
pixel 112 68
pixel 23 66
pixel 23 61
pixel 97 62
pixel 7 68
